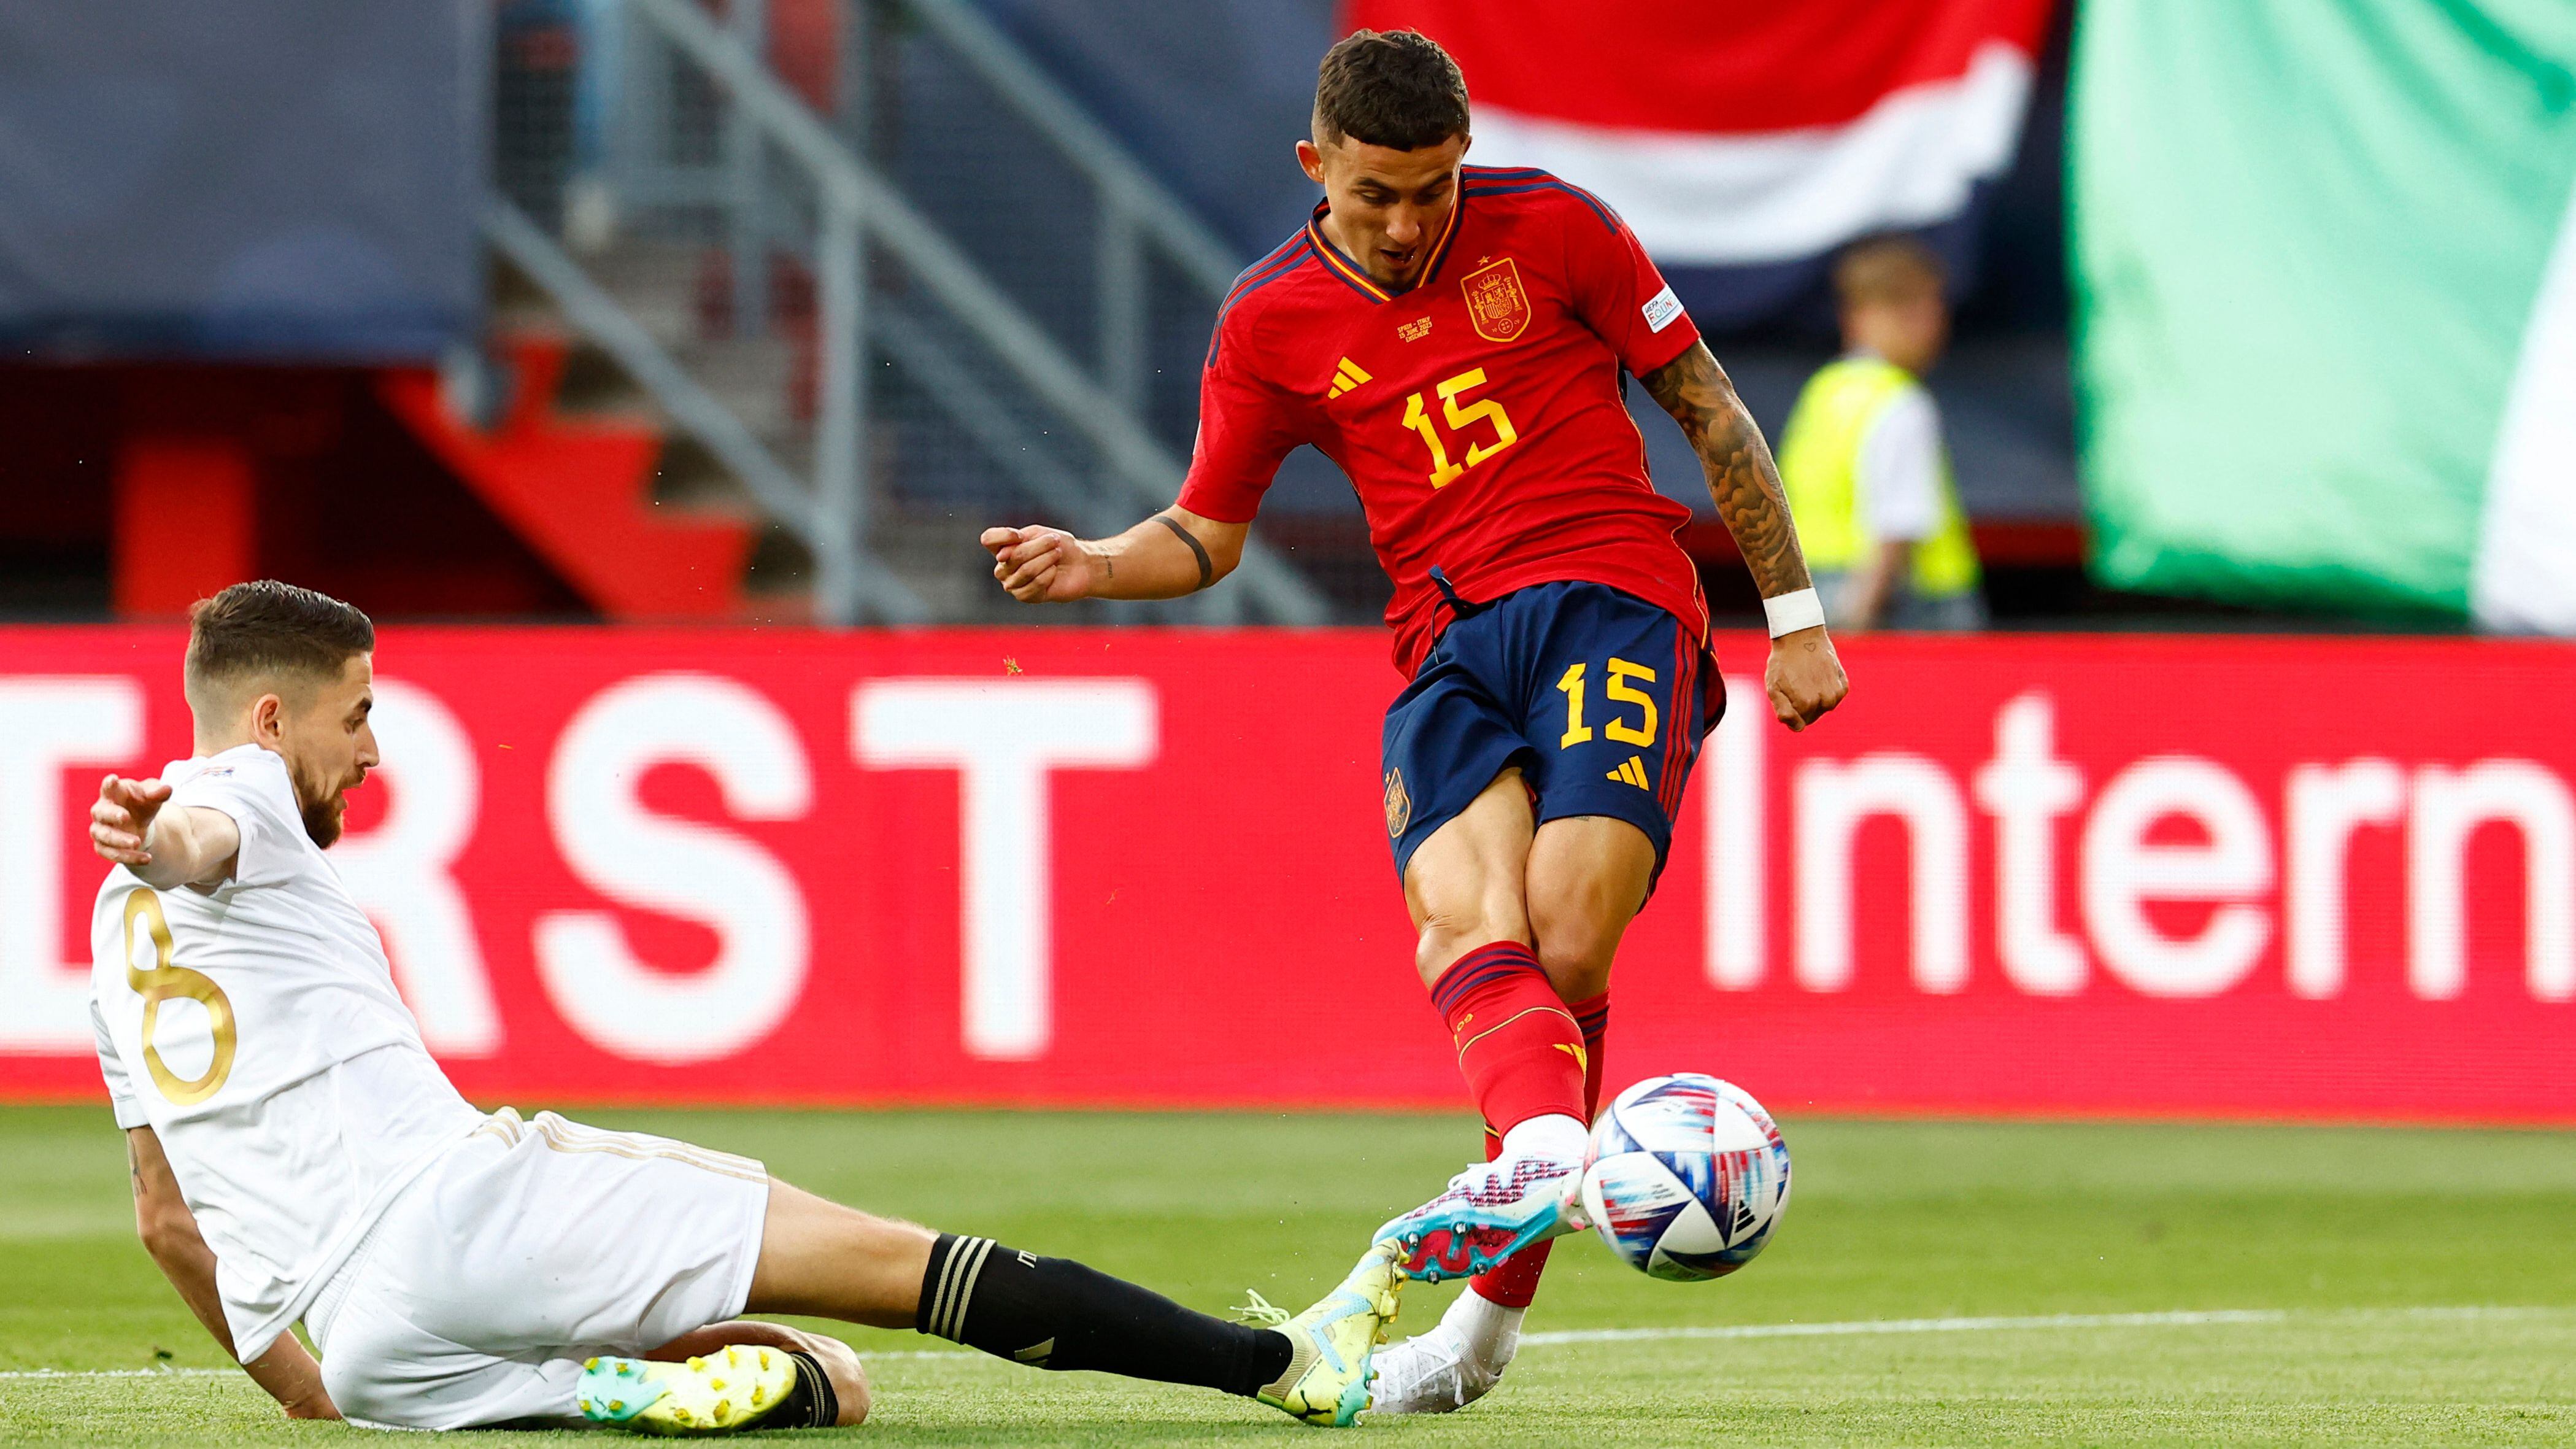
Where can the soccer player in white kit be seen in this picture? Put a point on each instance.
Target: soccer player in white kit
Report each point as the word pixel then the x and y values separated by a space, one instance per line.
pixel 298 1155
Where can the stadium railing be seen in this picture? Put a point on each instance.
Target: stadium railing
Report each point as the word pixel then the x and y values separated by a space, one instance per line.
pixel 875 377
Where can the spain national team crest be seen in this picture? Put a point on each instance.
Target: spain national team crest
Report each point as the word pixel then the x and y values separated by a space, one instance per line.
pixel 1399 806
pixel 1496 305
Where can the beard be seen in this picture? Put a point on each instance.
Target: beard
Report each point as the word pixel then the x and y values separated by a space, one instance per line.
pixel 322 819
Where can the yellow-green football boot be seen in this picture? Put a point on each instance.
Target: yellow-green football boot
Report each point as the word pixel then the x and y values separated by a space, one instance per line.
pixel 732 1388
pixel 1332 1343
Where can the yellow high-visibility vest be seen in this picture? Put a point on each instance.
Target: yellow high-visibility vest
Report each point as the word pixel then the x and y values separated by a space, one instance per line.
pixel 1820 471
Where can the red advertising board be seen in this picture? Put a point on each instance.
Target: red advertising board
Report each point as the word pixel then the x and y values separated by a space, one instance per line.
pixel 2294 877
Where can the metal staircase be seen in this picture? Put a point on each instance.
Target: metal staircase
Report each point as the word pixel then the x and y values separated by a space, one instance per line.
pixel 747 263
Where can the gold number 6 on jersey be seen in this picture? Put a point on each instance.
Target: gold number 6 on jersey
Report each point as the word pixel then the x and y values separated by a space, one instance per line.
pixel 165 981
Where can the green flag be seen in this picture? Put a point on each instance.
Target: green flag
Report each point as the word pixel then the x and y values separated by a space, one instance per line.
pixel 2326 301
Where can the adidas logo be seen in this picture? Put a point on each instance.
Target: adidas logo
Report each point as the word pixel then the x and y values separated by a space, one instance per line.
pixel 1349 375
pixel 1631 773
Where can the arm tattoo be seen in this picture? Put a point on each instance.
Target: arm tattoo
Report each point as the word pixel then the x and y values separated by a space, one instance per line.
pixel 1198 550
pixel 1742 479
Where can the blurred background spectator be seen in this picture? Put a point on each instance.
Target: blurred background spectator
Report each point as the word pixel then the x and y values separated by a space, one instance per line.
pixel 1862 458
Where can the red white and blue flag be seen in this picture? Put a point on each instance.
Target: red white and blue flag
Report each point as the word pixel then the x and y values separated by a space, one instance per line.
pixel 1745 135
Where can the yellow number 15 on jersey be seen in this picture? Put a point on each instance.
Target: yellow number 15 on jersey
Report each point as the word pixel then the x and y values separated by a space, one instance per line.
pixel 1485 410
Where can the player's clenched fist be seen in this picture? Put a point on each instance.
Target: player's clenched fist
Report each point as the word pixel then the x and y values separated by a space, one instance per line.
pixel 122 818
pixel 1804 678
pixel 1040 565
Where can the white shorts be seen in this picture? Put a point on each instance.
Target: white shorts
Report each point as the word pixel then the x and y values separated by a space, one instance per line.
pixel 529 1247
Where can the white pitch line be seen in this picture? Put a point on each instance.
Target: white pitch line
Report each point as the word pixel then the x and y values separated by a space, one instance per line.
pixel 1913 1325
pixel 1844 1328
pixel 159 1373
pixel 2181 1319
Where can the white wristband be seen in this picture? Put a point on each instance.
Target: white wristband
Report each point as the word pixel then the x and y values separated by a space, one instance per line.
pixel 1794 611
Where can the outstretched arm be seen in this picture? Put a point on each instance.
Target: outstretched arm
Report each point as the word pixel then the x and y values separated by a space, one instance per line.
pixel 1804 677
pixel 190 845
pixel 1173 553
pixel 170 1235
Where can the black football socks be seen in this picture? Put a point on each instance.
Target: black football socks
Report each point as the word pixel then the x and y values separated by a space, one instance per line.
pixel 1054 1313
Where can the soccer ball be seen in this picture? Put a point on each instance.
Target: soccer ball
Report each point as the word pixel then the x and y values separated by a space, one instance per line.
pixel 1687 1177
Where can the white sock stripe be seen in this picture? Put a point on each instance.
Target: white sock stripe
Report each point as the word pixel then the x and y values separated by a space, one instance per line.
pixel 944 1324
pixel 948 1272
pixel 966 1290
pixel 939 1296
pixel 947 1283
pixel 967 1272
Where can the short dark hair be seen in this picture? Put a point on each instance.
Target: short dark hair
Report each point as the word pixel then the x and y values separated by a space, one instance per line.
pixel 1888 267
pixel 266 627
pixel 1394 88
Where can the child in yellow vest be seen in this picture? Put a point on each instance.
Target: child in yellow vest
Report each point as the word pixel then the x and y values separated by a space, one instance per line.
pixel 1862 460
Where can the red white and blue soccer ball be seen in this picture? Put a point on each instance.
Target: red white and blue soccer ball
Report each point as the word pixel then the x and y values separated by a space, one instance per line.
pixel 1688 1177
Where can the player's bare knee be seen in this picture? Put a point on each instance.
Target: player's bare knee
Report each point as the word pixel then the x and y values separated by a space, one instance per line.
pixel 1464 908
pixel 1579 969
pixel 1577 938
pixel 1451 931
pixel 1587 880
pixel 1458 909
pixel 1463 884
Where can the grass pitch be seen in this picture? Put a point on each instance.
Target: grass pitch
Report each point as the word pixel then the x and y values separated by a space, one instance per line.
pixel 2194 1285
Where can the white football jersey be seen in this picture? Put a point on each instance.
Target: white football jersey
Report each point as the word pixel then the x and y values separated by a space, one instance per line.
pixel 255 1028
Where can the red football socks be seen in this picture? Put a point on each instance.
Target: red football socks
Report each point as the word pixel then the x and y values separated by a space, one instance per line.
pixel 1592 1018
pixel 1517 1045
pixel 1514 1282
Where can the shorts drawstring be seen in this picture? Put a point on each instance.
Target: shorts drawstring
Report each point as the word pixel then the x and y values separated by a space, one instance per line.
pixel 1458 608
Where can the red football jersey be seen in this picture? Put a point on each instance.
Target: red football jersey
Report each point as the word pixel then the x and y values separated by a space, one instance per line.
pixel 1478 414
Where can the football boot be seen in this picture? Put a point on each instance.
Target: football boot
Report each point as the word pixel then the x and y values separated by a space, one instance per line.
pixel 1489 1212
pixel 717 1393
pixel 1333 1344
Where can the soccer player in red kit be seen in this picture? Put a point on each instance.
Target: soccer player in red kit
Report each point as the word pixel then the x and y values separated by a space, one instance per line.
pixel 1455 338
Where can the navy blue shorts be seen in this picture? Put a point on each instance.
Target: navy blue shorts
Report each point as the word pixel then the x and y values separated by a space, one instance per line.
pixel 1574 683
